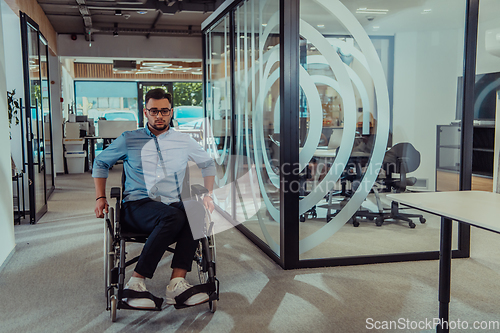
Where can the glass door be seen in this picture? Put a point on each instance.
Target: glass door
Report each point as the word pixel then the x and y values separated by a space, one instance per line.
pixel 35 143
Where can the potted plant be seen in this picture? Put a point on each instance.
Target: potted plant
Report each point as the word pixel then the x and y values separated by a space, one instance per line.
pixel 13 107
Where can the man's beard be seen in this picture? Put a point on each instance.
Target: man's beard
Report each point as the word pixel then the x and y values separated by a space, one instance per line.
pixel 159 127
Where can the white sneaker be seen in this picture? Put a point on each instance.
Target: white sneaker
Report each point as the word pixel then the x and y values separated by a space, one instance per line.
pixel 137 284
pixel 179 285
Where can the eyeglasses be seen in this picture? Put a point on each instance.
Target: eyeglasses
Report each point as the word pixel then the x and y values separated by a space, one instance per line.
pixel 164 112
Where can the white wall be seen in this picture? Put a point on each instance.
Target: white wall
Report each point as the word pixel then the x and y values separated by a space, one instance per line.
pixel 131 47
pixel 7 241
pixel 427 65
pixel 486 62
pixel 13 70
pixel 68 91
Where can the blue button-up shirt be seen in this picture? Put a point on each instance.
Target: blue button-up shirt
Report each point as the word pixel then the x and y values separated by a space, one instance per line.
pixel 154 166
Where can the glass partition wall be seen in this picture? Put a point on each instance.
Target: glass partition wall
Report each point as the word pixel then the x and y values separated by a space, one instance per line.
pixel 318 109
pixel 37 113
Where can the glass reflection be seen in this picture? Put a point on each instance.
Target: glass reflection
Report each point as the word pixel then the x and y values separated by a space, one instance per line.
pixel 219 139
pixel 257 119
pixel 348 125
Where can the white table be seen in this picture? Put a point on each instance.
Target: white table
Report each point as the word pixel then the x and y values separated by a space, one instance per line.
pixel 476 208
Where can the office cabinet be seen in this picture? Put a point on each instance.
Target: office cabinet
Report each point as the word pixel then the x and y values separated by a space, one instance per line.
pixel 483 150
pixel 448 148
pixel 448 156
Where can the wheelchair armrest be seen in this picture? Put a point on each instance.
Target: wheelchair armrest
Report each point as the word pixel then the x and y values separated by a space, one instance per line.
pixel 197 189
pixel 116 192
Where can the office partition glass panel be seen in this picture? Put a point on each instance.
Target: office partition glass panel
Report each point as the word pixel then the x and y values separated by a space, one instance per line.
pixel 107 99
pixel 373 81
pixel 188 108
pixel 46 112
pixel 219 113
pixel 188 93
pixel 33 67
pixel 379 111
pixel 486 141
pixel 257 114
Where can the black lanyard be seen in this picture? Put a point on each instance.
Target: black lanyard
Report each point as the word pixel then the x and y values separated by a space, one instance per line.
pixel 165 169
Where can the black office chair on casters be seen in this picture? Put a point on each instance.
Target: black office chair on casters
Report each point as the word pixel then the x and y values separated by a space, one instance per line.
pixel 115 263
pixel 401 159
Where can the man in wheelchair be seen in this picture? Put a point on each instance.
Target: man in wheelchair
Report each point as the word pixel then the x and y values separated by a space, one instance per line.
pixel 154 164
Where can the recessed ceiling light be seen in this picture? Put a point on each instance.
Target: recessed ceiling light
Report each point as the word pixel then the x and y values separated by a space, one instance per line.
pixel 156 64
pixel 365 10
pixel 264 24
pixel 320 25
pixel 426 11
pixel 376 27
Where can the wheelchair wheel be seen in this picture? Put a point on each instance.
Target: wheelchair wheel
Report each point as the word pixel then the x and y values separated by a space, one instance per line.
pixel 109 262
pixel 108 244
pixel 205 262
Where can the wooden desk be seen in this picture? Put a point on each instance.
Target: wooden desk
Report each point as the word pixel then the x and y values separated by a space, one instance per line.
pixel 476 208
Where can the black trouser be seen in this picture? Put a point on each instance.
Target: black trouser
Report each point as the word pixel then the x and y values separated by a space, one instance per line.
pixel 165 225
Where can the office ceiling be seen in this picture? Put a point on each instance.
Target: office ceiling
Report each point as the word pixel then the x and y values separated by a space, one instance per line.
pixel 128 17
pixel 180 17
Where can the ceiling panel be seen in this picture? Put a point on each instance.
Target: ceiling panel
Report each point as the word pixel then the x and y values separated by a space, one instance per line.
pixel 159 17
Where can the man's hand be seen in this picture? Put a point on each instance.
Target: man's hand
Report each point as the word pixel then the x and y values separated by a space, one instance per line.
pixel 208 202
pixel 101 206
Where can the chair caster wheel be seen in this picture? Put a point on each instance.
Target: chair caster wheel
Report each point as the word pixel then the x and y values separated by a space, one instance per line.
pixel 314 215
pixel 378 222
pixel 302 218
pixel 422 220
pixel 112 312
pixel 355 223
pixel 412 225
pixel 212 306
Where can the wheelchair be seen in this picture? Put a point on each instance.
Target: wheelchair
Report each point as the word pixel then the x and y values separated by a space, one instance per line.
pixel 115 261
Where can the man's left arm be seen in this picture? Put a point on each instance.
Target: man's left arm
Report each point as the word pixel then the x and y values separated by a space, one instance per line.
pixel 208 199
pixel 208 171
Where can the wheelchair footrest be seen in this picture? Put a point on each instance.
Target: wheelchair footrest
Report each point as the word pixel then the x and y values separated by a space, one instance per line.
pixel 127 293
pixel 209 288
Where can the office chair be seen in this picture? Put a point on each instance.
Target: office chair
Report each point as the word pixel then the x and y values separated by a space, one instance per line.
pixel 401 159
